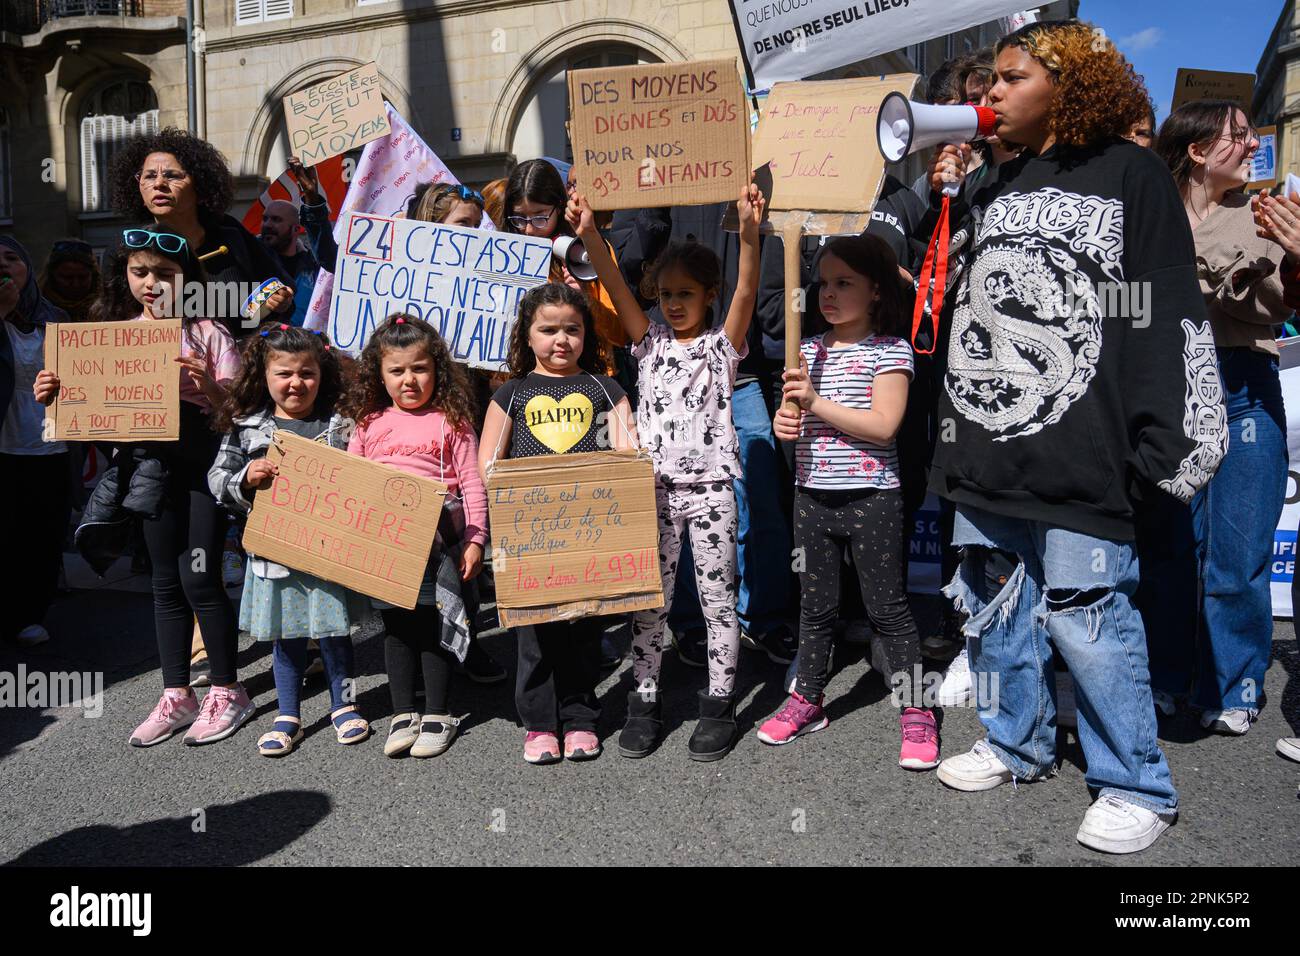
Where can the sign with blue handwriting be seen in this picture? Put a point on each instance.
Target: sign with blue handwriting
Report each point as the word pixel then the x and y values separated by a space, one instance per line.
pixel 466 283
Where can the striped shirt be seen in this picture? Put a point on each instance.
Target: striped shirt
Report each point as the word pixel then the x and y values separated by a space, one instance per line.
pixel 826 457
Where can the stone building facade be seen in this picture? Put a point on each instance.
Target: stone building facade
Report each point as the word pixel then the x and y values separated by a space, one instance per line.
pixel 1277 89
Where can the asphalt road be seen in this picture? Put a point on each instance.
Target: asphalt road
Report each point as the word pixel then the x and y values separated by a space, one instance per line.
pixel 76 793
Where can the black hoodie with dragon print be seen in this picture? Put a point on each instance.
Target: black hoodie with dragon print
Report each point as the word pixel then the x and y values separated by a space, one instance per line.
pixel 1081 367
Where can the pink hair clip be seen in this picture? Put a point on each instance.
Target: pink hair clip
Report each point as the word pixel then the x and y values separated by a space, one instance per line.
pixel 284 328
pixel 400 321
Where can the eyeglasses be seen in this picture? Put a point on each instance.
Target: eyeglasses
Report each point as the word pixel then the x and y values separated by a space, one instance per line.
pixel 520 222
pixel 167 242
pixel 465 194
pixel 150 176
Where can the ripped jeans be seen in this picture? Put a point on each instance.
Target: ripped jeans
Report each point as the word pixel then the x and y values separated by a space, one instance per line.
pixel 1072 593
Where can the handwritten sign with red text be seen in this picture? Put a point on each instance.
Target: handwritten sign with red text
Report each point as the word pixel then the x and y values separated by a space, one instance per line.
pixel 819 139
pixel 672 134
pixel 118 381
pixel 337 115
pixel 367 526
pixel 573 536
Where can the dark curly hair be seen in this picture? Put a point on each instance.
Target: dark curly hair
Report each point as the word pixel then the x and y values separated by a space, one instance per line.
pixel 870 256
pixel 522 360
pixel 366 396
pixel 115 302
pixel 1098 95
pixel 694 258
pixel 248 392
pixel 208 169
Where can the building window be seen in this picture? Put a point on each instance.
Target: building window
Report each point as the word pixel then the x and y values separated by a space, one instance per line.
pixel 6 187
pixel 248 12
pixel 111 117
pixel 916 54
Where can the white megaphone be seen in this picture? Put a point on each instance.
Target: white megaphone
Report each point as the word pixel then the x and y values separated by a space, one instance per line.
pixel 570 251
pixel 903 127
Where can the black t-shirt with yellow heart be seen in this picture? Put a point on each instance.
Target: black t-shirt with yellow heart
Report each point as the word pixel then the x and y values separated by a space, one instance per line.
pixel 553 415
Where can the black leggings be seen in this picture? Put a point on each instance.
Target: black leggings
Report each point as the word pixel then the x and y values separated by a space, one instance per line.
pixel 185 544
pixel 870 522
pixel 414 643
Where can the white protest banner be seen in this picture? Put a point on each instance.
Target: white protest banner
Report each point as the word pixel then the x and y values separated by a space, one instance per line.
pixel 466 283
pixel 1284 537
pixel 384 181
pixel 793 39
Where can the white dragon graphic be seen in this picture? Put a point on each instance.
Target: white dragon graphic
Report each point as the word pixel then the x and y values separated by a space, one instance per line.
pixel 1023 349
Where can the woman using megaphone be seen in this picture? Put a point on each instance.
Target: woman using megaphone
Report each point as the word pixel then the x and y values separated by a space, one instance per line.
pixel 1080 377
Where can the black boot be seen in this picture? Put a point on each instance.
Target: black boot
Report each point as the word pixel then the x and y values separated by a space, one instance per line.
pixel 640 735
pixel 716 731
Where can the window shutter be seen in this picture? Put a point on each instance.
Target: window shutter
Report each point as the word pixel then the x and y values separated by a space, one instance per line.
pixel 279 9
pixel 248 11
pixel 101 139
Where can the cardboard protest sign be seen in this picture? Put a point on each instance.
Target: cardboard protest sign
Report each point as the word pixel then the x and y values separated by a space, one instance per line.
pixel 367 526
pixel 466 283
pixel 573 536
pixel 118 381
pixel 818 139
pixel 783 40
pixel 336 116
pixel 1263 166
pixel 663 134
pixel 1213 85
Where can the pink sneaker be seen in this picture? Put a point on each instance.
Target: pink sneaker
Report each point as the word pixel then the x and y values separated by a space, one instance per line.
pixel 176 710
pixel 920 740
pixel 581 745
pixel 541 747
pixel 797 717
pixel 224 711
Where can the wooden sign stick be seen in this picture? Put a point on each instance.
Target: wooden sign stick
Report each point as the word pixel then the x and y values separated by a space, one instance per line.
pixel 792 236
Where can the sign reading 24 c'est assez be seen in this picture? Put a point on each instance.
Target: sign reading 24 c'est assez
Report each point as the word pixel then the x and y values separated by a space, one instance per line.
pixel 466 283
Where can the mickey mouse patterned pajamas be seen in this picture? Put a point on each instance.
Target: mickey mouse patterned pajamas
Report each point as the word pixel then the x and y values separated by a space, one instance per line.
pixel 708 514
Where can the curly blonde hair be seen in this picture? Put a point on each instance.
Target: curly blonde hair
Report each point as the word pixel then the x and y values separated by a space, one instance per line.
pixel 1097 93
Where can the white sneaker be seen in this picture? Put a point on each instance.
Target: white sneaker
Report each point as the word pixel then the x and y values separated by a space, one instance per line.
pixel 1166 705
pixel 436 733
pixel 1066 711
pixel 978 769
pixel 955 689
pixel 1289 747
pixel 1112 825
pixel 32 635
pixel 1234 722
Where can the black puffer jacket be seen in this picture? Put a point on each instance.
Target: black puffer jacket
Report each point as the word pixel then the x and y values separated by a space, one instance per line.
pixel 132 487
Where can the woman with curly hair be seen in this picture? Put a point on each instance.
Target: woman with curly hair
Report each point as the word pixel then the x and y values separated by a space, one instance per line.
pixel 1080 379
pixel 412 408
pixel 182 182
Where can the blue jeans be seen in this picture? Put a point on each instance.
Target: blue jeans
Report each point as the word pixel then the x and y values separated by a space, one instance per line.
pixel 763 558
pixel 1234 517
pixel 1073 594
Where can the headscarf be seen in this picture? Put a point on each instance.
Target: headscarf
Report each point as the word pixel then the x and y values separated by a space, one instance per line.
pixel 33 307
pixel 77 308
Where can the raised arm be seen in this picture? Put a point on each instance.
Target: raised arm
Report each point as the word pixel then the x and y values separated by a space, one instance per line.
pixel 583 221
pixel 750 209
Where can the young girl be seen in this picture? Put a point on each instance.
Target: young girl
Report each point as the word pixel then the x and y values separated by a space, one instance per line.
pixel 142 277
pixel 556 357
pixel 686 371
pixel 412 409
pixel 290 380
pixel 848 491
pixel 448 203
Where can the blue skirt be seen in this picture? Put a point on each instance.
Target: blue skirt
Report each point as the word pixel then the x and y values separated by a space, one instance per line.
pixel 299 606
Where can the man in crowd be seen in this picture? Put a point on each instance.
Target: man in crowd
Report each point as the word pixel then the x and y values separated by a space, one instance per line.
pixel 280 230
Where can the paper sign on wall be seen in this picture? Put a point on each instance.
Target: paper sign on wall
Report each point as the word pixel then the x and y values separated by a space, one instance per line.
pixel 671 134
pixel 819 140
pixel 364 525
pixel 466 283
pixel 574 536
pixel 335 116
pixel 1263 165
pixel 1213 85
pixel 118 381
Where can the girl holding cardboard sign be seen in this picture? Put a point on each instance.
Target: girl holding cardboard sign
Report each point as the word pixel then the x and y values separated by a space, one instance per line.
pixel 686 371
